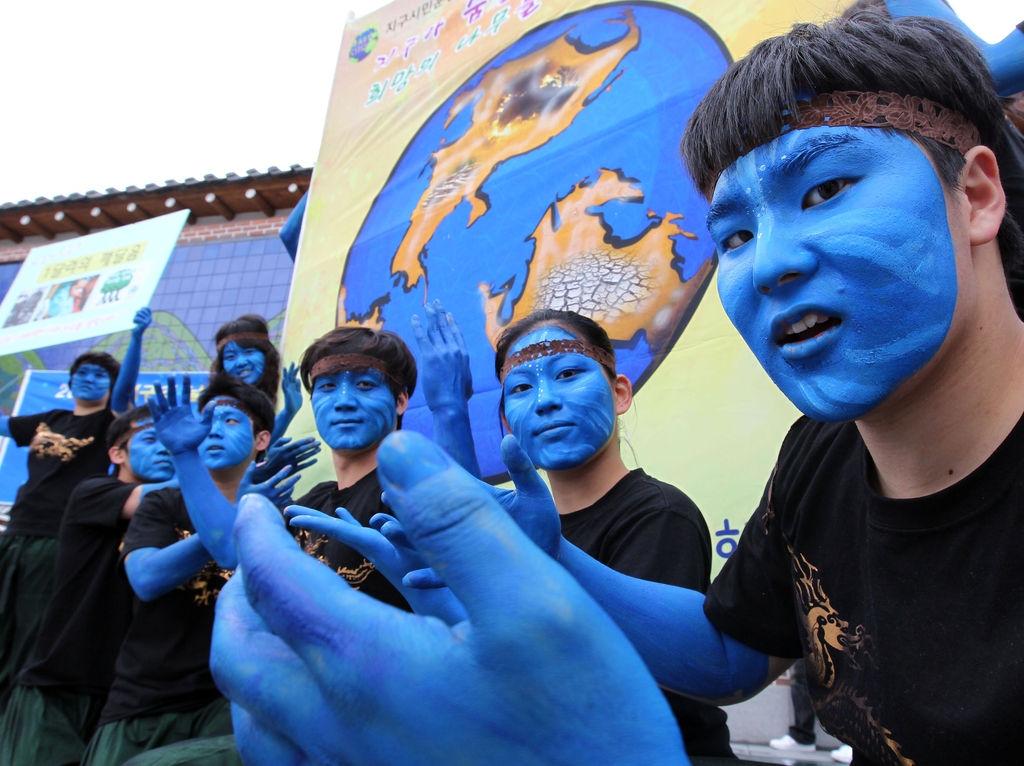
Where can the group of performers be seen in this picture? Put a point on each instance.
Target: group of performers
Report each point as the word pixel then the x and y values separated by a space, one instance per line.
pixel 166 601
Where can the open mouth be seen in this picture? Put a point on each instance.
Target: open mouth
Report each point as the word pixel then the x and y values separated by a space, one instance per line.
pixel 810 325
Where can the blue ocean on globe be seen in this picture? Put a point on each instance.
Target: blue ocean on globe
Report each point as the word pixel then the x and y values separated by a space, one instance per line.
pixel 550 178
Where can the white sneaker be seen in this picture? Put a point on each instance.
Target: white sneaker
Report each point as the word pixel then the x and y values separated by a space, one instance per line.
pixel 788 743
pixel 843 754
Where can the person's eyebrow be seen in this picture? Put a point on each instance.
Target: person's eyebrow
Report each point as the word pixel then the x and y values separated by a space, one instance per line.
pixel 797 160
pixel 720 208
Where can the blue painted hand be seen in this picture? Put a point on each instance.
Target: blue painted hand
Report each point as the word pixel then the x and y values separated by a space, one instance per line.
pixel 176 426
pixel 90 383
pixel 445 374
pixel 148 457
pixel 246 363
pixel 354 410
pixel 560 407
pixel 292 388
pixel 143 318
pixel 298 453
pixel 345 679
pixel 842 283
pixel 277 489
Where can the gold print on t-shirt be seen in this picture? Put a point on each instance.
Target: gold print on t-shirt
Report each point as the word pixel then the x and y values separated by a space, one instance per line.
pixel 848 716
pixel 46 443
pixel 313 545
pixel 825 629
pixel 208 581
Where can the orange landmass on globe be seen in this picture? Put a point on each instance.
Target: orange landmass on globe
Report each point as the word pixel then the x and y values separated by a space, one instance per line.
pixel 517 108
pixel 577 267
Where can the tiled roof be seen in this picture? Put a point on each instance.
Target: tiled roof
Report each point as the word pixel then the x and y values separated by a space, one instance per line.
pixel 256 191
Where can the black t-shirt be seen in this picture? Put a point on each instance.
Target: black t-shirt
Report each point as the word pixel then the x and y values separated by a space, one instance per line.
pixel 64 449
pixel 164 663
pixel 362 500
pixel 910 613
pixel 647 529
pixel 91 608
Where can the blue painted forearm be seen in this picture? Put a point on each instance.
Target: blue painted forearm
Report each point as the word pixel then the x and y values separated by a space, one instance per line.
pixel 667 625
pixel 5 426
pixel 281 423
pixel 153 572
pixel 454 434
pixel 122 398
pixel 212 514
pixel 147 488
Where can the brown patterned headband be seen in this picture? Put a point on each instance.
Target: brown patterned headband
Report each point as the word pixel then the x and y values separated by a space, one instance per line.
pixel 851 108
pixel 552 347
pixel 123 438
pixel 338 362
pixel 241 336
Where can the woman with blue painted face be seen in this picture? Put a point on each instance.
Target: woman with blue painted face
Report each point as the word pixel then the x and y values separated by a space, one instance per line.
pixel 561 399
pixel 61 690
pixel 65 447
pixel 244 351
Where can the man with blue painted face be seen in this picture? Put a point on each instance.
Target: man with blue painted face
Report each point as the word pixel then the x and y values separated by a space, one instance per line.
pixel 65 447
pixel 359 381
pixel 177 557
pixel 62 688
pixel 859 216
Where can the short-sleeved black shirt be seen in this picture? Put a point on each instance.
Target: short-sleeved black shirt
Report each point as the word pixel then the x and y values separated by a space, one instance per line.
pixel 362 500
pixel 164 663
pixel 86 620
pixel 64 449
pixel 648 529
pixel 910 613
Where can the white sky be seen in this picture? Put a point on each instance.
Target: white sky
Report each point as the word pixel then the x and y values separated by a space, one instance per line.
pixel 110 93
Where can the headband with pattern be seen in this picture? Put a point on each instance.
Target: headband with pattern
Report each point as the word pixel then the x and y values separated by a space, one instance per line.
pixel 123 438
pixel 851 108
pixel 338 362
pixel 241 336
pixel 552 347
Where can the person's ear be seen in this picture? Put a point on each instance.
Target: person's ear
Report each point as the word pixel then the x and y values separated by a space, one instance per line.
pixel 262 441
pixel 622 394
pixel 985 195
pixel 402 402
pixel 118 455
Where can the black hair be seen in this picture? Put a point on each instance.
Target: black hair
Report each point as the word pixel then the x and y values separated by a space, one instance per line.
pixel 125 423
pixel 100 359
pixel 260 409
pixel 270 380
pixel 583 327
pixel 869 52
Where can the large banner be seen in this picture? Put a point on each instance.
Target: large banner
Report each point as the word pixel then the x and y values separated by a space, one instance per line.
pixel 510 155
pixel 43 390
pixel 87 286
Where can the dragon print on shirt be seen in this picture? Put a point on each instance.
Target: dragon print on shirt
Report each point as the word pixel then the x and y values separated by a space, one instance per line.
pixel 207 582
pixel 831 646
pixel 313 545
pixel 46 443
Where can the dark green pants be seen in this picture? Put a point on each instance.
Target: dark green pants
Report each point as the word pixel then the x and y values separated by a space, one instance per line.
pixel 47 726
pixel 26 584
pixel 211 751
pixel 116 743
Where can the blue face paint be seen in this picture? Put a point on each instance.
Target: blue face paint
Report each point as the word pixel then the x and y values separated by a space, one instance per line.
pixel 149 459
pixel 354 410
pixel 560 407
pixel 837 265
pixel 244 363
pixel 90 382
pixel 230 440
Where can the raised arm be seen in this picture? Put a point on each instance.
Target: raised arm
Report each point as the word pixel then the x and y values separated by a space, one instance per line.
pixel 292 389
pixel 152 572
pixel 212 514
pixel 1005 58
pixel 122 398
pixel 5 426
pixel 447 383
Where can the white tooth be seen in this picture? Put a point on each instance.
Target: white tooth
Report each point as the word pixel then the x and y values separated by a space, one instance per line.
pixel 798 327
pixel 810 320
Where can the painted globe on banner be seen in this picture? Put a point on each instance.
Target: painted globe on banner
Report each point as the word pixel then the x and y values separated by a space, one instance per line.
pixel 550 179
